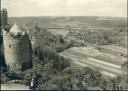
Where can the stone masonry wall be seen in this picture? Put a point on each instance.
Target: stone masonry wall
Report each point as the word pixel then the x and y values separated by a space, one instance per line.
pixel 17 52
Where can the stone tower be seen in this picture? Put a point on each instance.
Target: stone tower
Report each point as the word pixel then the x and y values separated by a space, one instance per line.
pixel 17 48
pixel 3 22
pixel 4 17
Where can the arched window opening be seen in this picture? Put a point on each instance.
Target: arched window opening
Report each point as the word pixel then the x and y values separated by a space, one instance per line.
pixel 9 46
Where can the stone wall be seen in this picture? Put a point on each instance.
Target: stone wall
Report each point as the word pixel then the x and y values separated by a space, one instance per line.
pixel 17 51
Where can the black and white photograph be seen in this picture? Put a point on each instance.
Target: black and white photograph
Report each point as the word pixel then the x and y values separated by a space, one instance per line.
pixel 63 45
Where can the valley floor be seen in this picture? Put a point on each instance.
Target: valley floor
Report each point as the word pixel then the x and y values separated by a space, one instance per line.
pixel 108 64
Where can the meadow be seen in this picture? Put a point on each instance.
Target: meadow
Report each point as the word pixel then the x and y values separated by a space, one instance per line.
pixel 108 64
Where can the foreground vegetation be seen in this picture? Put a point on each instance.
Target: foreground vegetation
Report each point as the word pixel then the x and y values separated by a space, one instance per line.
pixel 49 77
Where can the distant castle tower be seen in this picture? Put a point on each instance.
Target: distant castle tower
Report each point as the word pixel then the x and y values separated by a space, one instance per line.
pixel 17 48
pixel 3 22
pixel 4 17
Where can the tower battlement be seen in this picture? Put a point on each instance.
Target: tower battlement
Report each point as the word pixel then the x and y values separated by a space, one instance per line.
pixel 15 31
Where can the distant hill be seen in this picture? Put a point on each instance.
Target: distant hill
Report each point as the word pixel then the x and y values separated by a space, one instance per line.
pixel 113 18
pixel 92 21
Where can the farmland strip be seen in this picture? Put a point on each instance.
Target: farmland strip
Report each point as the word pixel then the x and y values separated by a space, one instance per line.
pixel 106 73
pixel 96 57
pixel 95 64
pixel 73 55
pixel 102 62
pixel 103 72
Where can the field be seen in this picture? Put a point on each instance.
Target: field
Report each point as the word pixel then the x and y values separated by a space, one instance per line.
pixel 108 64
pixel 62 32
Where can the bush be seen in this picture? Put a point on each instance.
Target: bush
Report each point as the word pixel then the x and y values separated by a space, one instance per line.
pixel 4 78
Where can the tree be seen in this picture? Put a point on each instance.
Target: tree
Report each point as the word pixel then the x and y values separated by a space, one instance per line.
pixel 124 68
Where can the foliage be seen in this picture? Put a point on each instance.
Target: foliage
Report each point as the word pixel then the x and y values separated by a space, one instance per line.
pixel 99 36
pixel 125 67
pixel 4 77
pixel 2 56
pixel 43 38
pixel 120 82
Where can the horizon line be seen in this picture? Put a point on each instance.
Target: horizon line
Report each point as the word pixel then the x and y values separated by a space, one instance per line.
pixel 71 16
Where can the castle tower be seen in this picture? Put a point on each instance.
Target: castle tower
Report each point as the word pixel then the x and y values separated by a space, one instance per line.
pixel 17 48
pixel 4 17
pixel 3 22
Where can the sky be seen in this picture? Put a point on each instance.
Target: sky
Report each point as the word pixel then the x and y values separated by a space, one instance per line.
pixel 19 8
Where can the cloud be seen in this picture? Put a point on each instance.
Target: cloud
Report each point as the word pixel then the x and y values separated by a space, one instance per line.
pixel 66 7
